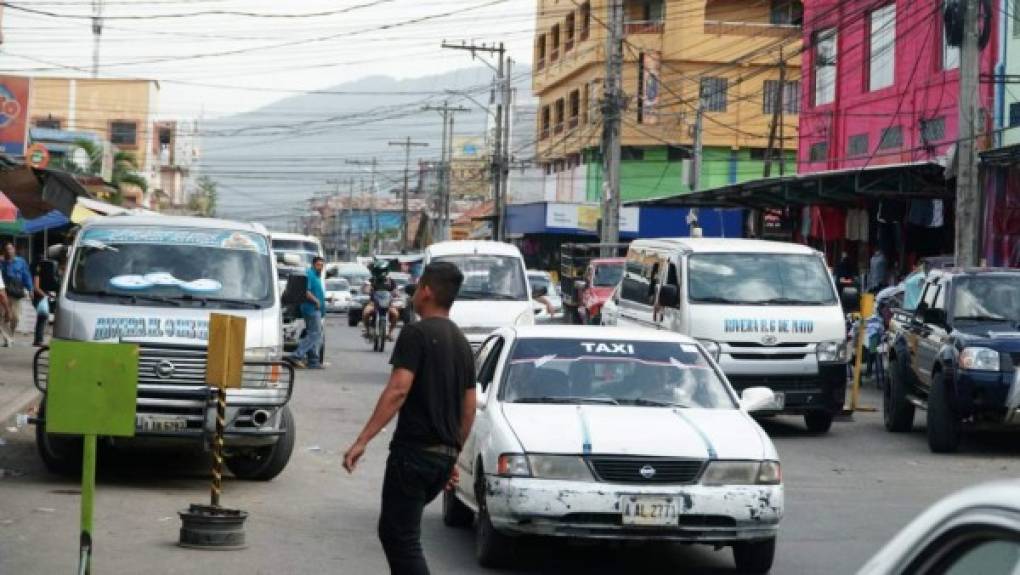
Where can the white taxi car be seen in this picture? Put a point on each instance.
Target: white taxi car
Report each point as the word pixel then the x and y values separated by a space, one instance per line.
pixel 607 433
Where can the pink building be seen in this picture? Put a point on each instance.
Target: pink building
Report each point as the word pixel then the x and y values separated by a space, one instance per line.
pixel 880 84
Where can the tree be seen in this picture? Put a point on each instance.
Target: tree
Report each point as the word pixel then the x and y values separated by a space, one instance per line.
pixel 203 201
pixel 125 167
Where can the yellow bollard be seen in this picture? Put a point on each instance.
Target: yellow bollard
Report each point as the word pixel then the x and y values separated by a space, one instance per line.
pixel 867 308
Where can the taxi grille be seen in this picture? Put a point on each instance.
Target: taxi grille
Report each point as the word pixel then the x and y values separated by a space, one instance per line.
pixel 664 470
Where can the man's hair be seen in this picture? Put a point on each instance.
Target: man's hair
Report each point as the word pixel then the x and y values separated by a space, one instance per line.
pixel 318 259
pixel 444 279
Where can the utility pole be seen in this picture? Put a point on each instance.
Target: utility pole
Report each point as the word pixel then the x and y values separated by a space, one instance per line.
pixel 968 197
pixel 782 113
pixel 442 205
pixel 334 233
pixel 504 164
pixel 499 161
pixel 373 238
pixel 350 218
pixel 407 144
pixel 777 124
pixel 612 104
pixel 97 32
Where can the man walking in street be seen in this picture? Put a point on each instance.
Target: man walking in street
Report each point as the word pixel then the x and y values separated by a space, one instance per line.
pixel 312 311
pixel 18 284
pixel 432 386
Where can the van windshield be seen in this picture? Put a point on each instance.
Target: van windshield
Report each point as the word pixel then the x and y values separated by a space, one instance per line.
pixel 759 279
pixel 173 266
pixel 304 249
pixel 488 277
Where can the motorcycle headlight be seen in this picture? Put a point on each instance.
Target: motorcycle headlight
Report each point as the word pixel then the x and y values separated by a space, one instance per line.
pixel 742 473
pixel 527 317
pixel 979 358
pixel 513 465
pixel 831 351
pixel 711 347
pixel 563 467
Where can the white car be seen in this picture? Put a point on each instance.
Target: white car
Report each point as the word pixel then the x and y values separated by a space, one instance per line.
pixel 338 295
pixel 542 279
pixel 608 433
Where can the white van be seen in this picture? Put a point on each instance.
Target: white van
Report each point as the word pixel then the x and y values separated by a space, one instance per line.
pixel 768 312
pixel 495 292
pixel 300 249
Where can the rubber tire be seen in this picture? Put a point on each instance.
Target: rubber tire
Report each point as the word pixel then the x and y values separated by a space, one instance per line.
pixel 455 513
pixel 271 460
pixel 818 421
pixel 897 412
pixel 62 454
pixel 352 320
pixel 492 548
pixel 944 427
pixel 754 556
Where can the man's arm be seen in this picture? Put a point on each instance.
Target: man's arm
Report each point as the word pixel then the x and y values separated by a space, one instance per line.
pixel 467 415
pixel 390 401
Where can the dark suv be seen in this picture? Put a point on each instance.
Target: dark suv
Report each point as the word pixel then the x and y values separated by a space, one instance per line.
pixel 958 356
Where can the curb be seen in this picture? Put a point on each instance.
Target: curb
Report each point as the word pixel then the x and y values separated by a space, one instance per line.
pixel 18 403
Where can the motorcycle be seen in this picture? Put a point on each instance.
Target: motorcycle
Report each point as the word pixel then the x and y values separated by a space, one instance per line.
pixel 378 325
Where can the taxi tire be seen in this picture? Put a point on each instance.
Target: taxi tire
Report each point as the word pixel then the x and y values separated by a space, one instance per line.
pixel 61 454
pixel 492 548
pixel 274 458
pixel 754 556
pixel 897 412
pixel 455 513
pixel 944 426
pixel 818 421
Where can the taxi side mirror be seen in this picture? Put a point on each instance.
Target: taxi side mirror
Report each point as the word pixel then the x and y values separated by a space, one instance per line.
pixel 757 399
pixel 56 251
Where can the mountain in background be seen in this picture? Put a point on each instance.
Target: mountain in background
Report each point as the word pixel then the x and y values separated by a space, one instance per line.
pixel 269 161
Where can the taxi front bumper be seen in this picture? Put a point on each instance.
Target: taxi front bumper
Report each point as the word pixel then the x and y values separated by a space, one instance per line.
pixel 590 510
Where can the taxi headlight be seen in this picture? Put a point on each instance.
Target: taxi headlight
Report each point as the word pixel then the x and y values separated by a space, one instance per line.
pixel 711 347
pixel 564 467
pixel 513 465
pixel 742 473
pixel 979 358
pixel 831 351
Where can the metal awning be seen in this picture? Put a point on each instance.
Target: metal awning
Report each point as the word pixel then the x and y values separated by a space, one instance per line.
pixel 846 187
pixel 1004 156
pixel 36 192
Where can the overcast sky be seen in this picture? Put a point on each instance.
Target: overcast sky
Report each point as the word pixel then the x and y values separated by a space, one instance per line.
pixel 216 64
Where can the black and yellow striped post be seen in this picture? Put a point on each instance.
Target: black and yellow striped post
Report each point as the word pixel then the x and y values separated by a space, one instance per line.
pixel 217 469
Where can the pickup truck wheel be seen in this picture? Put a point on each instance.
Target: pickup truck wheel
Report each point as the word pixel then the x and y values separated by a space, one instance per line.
pixel 455 513
pixel 944 429
pixel 818 421
pixel 60 453
pixel 492 548
pixel 897 412
pixel 265 463
pixel 754 556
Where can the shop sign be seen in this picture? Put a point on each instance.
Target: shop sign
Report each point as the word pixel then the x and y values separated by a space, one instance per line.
pixel 14 94
pixel 588 218
pixel 630 220
pixel 37 156
pixel 561 216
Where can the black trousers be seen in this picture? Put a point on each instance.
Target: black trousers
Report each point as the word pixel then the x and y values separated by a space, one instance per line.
pixel 413 479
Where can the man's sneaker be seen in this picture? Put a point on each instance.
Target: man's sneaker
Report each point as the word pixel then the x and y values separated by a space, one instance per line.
pixel 298 363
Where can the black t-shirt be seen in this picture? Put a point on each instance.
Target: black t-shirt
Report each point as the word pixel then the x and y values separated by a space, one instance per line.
pixel 444 368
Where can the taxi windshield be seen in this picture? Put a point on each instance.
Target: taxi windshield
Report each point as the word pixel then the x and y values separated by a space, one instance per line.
pixel 653 374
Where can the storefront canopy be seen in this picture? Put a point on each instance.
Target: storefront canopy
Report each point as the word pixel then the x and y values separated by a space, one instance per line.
pixel 37 192
pixel 848 187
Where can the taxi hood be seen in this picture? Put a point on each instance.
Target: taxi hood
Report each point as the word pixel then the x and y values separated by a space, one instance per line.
pixel 631 430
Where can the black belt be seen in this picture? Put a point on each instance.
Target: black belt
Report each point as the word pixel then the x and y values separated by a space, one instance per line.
pixel 438 448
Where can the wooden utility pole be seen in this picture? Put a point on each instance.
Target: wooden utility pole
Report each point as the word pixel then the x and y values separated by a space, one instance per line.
pixel 442 205
pixel 968 196
pixel 612 105
pixel 373 238
pixel 407 144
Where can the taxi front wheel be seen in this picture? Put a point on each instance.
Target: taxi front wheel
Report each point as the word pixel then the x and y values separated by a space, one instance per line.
pixel 754 556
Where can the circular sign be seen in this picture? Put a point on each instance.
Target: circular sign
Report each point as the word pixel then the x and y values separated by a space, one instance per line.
pixel 37 156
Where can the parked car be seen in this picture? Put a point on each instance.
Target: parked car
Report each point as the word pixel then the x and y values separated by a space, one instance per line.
pixel 957 356
pixel 973 532
pixel 356 275
pixel 575 260
pixel 338 295
pixel 569 441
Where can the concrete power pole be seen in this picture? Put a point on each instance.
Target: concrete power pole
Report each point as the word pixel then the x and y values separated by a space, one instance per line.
pixel 442 206
pixel 611 111
pixel 350 219
pixel 504 163
pixel 97 32
pixel 968 197
pixel 407 144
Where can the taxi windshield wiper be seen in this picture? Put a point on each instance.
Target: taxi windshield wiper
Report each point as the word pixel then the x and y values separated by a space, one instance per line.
pixel 645 402
pixel 205 301
pixel 561 399
pixel 718 299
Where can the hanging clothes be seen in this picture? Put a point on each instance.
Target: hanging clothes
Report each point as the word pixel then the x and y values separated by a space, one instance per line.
pixel 891 211
pixel 857 226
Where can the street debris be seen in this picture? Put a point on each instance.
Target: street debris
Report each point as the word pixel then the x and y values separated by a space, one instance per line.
pixel 45 510
pixel 314 448
pixel 9 473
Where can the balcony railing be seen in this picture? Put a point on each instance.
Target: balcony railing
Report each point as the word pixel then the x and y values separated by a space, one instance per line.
pixel 643 26
pixel 750 28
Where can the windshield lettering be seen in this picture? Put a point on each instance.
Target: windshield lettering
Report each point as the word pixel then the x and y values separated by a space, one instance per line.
pixel 768 326
pixel 623 348
pixel 117 328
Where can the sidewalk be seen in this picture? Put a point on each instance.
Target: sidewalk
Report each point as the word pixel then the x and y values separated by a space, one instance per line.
pixel 17 389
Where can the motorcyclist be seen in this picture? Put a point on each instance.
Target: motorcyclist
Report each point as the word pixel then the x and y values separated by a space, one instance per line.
pixel 380 281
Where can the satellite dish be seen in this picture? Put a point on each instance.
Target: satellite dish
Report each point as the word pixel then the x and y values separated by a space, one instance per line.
pixel 81 158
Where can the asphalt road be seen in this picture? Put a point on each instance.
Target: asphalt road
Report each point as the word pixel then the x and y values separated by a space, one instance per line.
pixel 846 493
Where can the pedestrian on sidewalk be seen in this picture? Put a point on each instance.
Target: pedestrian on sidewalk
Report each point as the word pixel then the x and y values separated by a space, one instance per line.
pixel 18 284
pixel 4 309
pixel 312 311
pixel 432 386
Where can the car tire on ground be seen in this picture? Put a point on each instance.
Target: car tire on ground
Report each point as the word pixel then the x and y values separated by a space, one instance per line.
pixel 944 426
pixel 61 454
pixel 754 556
pixel 352 318
pixel 818 421
pixel 455 513
pixel 897 411
pixel 492 548
pixel 265 463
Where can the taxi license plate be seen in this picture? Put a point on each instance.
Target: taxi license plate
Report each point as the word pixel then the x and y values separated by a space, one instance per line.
pixel 160 423
pixel 648 510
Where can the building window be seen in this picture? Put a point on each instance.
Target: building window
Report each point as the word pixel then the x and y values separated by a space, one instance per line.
pixel 933 131
pixel 558 126
pixel 1014 114
pixel 586 20
pixel 586 104
pixel 48 122
pixel 858 145
pixel 676 154
pixel 1016 18
pixel 713 94
pixel 545 123
pixel 791 97
pixel 882 47
pixel 568 28
pixel 788 12
pixel 630 153
pixel 575 108
pixel 892 137
pixel 825 66
pixel 554 39
pixel 951 54
pixel 818 152
pixel 123 133
pixel 540 51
